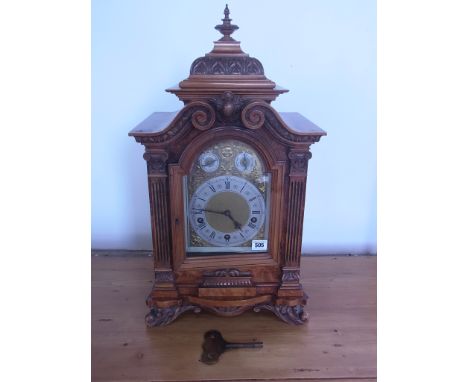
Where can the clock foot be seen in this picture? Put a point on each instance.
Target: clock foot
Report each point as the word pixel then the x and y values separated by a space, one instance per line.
pixel 164 316
pixel 291 314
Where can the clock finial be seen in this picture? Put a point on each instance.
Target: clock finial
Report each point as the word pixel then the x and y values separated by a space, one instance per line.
pixel 226 28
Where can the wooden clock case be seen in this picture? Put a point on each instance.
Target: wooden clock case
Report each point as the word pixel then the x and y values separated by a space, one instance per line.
pixel 226 96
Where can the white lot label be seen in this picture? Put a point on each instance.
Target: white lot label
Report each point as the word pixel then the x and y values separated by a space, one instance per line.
pixel 259 245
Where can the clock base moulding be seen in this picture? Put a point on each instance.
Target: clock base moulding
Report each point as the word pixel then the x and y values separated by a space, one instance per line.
pixel 290 311
pixel 239 293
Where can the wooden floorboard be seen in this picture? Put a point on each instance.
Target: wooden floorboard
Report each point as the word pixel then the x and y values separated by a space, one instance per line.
pixel 338 343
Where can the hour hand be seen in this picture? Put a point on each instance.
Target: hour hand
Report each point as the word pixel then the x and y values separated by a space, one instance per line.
pixel 237 225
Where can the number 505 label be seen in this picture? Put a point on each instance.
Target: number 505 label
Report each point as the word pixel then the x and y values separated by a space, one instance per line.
pixel 259 245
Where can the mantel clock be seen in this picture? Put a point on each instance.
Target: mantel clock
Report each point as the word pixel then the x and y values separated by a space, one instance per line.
pixel 227 180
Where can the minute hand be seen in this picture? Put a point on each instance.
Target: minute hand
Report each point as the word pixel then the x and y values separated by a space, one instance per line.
pixel 213 211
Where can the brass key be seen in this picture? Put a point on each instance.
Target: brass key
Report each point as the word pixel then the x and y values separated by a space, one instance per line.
pixel 215 345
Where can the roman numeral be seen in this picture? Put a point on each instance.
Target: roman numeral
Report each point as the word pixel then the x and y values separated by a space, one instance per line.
pixel 256 212
pixel 252 225
pixel 243 186
pixel 252 199
pixel 201 226
pixel 212 188
pixel 227 182
pixel 212 234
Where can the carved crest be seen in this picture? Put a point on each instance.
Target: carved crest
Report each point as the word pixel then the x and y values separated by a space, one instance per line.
pixel 228 107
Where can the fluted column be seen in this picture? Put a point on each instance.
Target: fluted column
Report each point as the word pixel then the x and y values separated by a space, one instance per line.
pixel 298 160
pixel 164 286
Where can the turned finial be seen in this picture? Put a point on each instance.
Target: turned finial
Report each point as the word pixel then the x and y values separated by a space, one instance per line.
pixel 226 28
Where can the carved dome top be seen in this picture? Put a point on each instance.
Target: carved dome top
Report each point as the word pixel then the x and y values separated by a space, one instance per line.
pixel 227 57
pixel 226 68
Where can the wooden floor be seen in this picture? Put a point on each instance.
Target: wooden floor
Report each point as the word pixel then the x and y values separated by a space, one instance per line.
pixel 338 343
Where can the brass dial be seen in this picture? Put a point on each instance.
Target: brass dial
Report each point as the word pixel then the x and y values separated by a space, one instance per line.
pixel 227 199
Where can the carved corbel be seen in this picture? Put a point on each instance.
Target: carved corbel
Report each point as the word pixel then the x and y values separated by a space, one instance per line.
pixel 299 161
pixel 156 162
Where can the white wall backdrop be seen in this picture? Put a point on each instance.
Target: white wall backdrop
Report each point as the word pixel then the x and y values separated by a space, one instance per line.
pixel 323 51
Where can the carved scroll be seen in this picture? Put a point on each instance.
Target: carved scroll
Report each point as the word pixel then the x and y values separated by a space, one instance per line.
pixel 197 114
pixel 259 113
pixel 252 115
pixel 203 116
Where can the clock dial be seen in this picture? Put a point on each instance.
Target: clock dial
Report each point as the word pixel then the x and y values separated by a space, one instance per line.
pixel 226 200
pixel 227 211
pixel 245 162
pixel 209 161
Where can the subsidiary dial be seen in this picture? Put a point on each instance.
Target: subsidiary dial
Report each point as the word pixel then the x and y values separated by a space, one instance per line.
pixel 209 161
pixel 245 162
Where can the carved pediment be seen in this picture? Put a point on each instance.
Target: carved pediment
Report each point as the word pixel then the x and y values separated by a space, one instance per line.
pixel 228 109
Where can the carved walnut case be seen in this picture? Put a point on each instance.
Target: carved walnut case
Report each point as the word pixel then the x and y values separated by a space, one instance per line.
pixel 226 99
